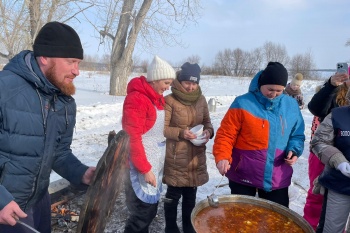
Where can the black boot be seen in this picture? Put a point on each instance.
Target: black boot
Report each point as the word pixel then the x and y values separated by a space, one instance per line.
pixel 186 220
pixel 170 212
pixel 188 204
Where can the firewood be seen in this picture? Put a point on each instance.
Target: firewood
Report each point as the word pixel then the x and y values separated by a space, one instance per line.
pixel 106 185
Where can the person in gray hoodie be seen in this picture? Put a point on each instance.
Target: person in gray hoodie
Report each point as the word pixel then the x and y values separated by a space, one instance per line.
pixel 37 119
pixel 331 144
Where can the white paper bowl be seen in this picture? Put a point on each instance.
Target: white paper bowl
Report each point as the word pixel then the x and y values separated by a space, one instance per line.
pixel 202 136
pixel 198 142
pixel 197 130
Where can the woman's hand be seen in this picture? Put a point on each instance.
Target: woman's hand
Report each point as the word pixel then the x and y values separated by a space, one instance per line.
pixel 188 135
pixel 291 158
pixel 206 134
pixel 223 166
pixel 150 178
pixel 338 79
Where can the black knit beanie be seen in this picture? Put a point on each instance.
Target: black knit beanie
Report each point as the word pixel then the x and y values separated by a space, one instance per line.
pixel 190 72
pixel 274 74
pixel 58 40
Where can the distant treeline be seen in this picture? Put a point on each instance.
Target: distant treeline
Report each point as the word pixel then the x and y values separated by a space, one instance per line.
pixel 96 66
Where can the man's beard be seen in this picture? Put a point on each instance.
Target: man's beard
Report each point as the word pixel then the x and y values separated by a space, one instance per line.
pixel 65 88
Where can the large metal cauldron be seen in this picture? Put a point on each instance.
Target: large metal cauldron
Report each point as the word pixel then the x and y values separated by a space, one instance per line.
pixel 299 220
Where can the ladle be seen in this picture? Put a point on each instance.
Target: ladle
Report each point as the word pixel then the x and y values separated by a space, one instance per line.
pixel 213 199
pixel 27 226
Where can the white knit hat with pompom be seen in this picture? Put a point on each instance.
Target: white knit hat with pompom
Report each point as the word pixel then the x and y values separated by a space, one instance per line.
pixel 159 69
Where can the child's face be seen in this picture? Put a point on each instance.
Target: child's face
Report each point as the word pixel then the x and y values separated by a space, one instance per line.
pixel 294 87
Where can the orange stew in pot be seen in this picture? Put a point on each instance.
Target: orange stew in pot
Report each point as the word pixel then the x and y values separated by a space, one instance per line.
pixel 243 217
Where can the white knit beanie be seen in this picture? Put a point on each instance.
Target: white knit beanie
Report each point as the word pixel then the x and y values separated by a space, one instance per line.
pixel 159 69
pixel 298 78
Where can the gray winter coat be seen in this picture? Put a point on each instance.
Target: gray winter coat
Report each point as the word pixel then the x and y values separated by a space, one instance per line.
pixel 36 128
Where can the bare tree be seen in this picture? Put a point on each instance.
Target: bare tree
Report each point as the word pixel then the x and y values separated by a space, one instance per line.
pixel 258 56
pixel 194 59
pixel 121 22
pixel 241 63
pixel 223 62
pixel 144 64
pixel 234 62
pixel 302 63
pixel 12 33
pixel 22 20
pixel 106 60
pixel 275 52
pixel 136 62
pixel 253 62
pixel 238 58
pixel 191 59
pixel 91 63
pixel 139 65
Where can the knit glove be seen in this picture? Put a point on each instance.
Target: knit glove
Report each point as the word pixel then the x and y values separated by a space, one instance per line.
pixel 318 188
pixel 336 160
pixel 344 168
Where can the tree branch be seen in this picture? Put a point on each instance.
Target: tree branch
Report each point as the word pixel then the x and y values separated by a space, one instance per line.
pixel 76 13
pixel 104 33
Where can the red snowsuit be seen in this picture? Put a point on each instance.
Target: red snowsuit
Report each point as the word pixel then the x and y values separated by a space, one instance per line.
pixel 313 205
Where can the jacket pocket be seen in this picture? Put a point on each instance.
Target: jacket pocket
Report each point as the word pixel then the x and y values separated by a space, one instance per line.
pixel 238 163
pixel 3 161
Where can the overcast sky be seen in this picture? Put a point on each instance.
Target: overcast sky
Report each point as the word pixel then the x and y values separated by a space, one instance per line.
pixel 319 26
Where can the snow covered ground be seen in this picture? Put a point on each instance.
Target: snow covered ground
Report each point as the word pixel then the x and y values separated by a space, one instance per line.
pixel 98 113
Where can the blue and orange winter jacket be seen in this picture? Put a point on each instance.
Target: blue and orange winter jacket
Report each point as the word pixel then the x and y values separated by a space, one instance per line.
pixel 255 136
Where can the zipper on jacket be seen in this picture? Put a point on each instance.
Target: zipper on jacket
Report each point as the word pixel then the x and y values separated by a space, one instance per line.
pixel 194 177
pixel 54 102
pixel 282 125
pixel 33 191
pixel 174 153
pixel 66 113
pixel 263 123
pixel 43 108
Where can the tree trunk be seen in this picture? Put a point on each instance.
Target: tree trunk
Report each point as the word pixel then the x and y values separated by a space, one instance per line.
pixel 120 71
pixel 124 44
pixel 33 13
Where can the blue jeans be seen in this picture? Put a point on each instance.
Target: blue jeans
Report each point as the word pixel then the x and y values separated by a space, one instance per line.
pixel 39 217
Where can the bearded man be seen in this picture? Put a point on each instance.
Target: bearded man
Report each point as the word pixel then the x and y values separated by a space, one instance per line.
pixel 37 118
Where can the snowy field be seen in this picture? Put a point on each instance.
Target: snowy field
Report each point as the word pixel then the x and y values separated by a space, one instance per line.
pixel 98 113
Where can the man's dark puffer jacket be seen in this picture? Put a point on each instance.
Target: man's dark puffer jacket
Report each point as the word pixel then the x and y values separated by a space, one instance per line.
pixel 36 128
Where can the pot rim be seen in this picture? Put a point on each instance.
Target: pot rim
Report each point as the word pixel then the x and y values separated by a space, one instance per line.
pixel 234 198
